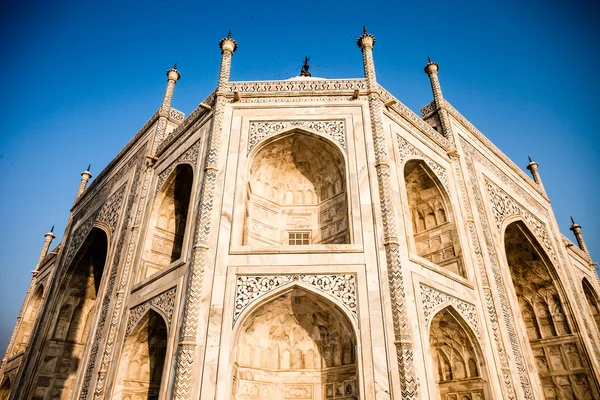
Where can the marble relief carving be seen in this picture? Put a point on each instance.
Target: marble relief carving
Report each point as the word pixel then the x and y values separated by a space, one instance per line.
pixel 432 298
pixel 296 346
pixel 261 129
pixel 165 302
pixel 249 288
pixel 297 189
pixel 297 86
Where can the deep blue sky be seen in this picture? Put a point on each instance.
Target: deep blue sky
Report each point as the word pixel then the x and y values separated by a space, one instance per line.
pixel 79 79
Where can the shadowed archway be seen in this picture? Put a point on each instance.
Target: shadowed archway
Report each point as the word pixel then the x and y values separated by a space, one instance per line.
pixel 74 310
pixel 460 371
pixel 297 193
pixel 142 361
pixel 295 344
pixel 561 362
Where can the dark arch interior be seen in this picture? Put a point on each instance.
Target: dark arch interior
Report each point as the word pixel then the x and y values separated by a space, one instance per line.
pixel 142 360
pixel 434 228
pixel 457 359
pixel 562 365
pixel 166 232
pixel 75 306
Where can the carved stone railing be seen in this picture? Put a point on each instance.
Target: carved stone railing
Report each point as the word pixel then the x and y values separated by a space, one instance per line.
pixel 325 85
pixel 187 123
pixel 575 249
pixel 414 119
pixel 490 146
pixel 428 109
pixel 176 115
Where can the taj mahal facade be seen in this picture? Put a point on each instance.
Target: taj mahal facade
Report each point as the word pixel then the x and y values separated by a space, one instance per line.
pixel 308 239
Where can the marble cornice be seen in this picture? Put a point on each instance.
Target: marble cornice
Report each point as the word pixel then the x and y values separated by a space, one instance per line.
pixel 108 169
pixel 491 147
pixel 407 114
pixel 575 249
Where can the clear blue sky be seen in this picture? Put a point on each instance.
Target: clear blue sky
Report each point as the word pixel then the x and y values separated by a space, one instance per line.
pixel 81 77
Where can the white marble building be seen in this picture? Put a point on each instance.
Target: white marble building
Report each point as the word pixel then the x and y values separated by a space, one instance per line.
pixel 309 239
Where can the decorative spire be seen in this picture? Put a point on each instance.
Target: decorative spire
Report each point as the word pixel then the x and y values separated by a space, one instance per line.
pixel 48 237
pixel 535 173
pixel 305 67
pixel 173 74
pixel 85 177
pixel 366 39
pixel 576 228
pixel 431 66
pixel 530 161
pixel 227 43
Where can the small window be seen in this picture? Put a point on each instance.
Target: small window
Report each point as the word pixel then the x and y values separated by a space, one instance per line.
pixel 299 238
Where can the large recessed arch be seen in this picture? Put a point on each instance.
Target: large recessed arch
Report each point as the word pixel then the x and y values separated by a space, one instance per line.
pixel 561 361
pixel 28 320
pixel 433 220
pixel 592 300
pixel 297 192
pixel 168 220
pixel 73 311
pixel 459 366
pixel 142 361
pixel 295 340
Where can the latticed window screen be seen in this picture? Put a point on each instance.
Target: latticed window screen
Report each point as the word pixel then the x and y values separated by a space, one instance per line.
pixel 299 238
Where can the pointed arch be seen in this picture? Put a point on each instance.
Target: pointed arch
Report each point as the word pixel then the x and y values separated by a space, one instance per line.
pixel 76 296
pixel 457 358
pixel 592 300
pixel 5 389
pixel 562 365
pixel 435 234
pixel 142 363
pixel 29 318
pixel 168 220
pixel 295 334
pixel 308 198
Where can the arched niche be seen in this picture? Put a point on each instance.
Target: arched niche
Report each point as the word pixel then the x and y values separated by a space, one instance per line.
pixel 592 300
pixel 166 231
pixel 73 310
pixel 297 343
pixel 562 365
pixel 140 371
pixel 5 389
pixel 460 372
pixel 29 317
pixel 433 222
pixel 297 193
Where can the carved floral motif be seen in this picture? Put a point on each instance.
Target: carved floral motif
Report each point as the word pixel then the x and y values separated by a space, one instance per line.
pixel 261 129
pixel 251 287
pixel 433 298
pixel 165 302
pixel 297 86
